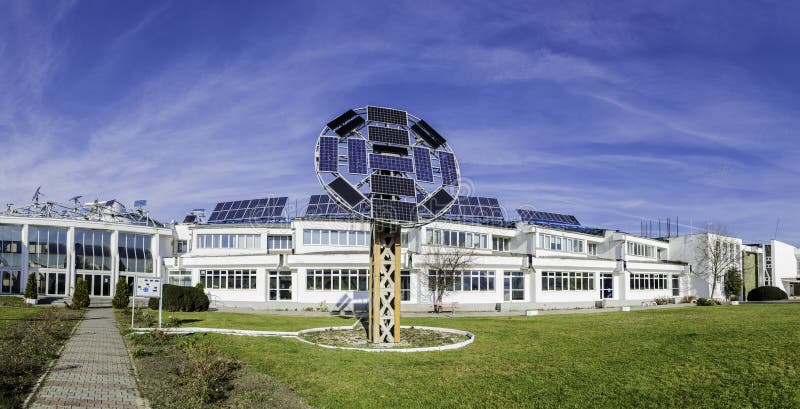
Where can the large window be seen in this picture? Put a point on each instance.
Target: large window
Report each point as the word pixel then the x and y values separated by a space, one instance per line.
pixel 229 279
pixel 513 286
pixel 317 237
pixel 567 281
pixel 47 247
pixel 228 241
pixel 558 243
pixel 405 285
pixel 279 242
pixel 641 250
pixel 280 285
pixel 648 282
pixel 337 279
pixel 182 278
pixel 468 280
pixel 92 250
pixel 134 253
pixel 10 283
pixel 458 239
pixel 500 243
pixel 11 246
pixel 591 248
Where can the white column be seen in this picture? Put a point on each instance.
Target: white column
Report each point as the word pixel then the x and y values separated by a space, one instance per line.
pixel 24 268
pixel 70 281
pixel 114 260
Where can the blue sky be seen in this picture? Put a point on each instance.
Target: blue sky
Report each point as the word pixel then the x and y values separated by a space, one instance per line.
pixel 614 113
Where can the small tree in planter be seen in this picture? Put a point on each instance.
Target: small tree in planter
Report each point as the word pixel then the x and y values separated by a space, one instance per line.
pixel 80 298
pixel 31 290
pixel 733 283
pixel 120 300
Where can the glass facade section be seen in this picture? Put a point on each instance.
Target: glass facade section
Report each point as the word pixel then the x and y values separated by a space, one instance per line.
pixel 47 247
pixel 92 250
pixel 134 252
pixel 10 246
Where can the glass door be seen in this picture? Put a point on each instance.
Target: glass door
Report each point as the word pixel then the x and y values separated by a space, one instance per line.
pixel 606 286
pixel 513 286
pixel 51 282
pixel 10 283
pixel 99 284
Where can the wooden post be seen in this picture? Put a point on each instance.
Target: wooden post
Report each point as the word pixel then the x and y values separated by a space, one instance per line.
pixel 384 304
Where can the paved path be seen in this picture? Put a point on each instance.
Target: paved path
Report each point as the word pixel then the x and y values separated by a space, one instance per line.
pixel 94 370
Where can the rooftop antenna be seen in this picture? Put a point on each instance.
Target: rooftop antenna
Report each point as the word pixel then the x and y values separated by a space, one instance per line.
pixel 777 222
pixel 37 194
pixel 76 200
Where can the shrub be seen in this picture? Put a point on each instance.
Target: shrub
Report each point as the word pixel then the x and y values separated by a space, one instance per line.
pixel 31 291
pixel 766 293
pixel 207 374
pixel 80 298
pixel 178 298
pixel 121 295
pixel 662 301
pixel 200 286
pixel 733 283
pixel 706 302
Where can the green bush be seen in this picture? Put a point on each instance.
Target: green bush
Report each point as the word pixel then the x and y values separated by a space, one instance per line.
pixel 706 302
pixel 80 298
pixel 766 293
pixel 663 300
pixel 733 283
pixel 31 290
pixel 121 295
pixel 179 298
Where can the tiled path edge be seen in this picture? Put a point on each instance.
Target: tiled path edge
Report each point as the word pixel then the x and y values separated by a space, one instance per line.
pixel 94 369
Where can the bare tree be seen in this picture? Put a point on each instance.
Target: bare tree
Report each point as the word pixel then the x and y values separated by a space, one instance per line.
pixel 445 265
pixel 716 254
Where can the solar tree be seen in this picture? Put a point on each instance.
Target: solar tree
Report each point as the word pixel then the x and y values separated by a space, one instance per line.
pixel 393 169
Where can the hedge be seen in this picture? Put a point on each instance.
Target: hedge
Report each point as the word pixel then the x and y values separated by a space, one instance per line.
pixel 766 293
pixel 179 298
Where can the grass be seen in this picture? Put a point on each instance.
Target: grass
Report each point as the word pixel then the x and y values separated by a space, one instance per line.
pixel 724 356
pixel 254 321
pixel 29 339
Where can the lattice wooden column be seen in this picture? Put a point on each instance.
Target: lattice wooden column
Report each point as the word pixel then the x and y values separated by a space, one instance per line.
pixel 384 289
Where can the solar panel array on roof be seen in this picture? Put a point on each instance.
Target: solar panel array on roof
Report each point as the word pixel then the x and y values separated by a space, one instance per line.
pixel 537 216
pixel 475 208
pixel 249 211
pixel 190 218
pixel 322 206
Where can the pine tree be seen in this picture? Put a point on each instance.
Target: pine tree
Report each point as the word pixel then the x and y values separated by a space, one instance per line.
pixel 121 295
pixel 80 299
pixel 31 289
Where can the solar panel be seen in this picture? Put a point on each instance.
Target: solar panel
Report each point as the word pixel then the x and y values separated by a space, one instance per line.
pixel 190 218
pixel 392 185
pixel 346 191
pixel 249 211
pixel 342 119
pixel 422 164
pixel 478 209
pixel 387 115
pixel 392 210
pixel 390 163
pixel 357 156
pixel 438 201
pixel 447 163
pixel 537 216
pixel 350 126
pixel 428 134
pixel 390 149
pixel 388 135
pixel 328 154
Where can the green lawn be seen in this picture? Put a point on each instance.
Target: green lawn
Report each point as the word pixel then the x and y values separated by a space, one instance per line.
pixel 265 322
pixel 725 356
pixel 11 315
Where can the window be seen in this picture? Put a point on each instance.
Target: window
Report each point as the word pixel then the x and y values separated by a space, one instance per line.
pixel 183 247
pixel 336 237
pixel 676 286
pixel 468 280
pixel 134 252
pixel 280 285
pixel 558 243
pixel 641 250
pixel 11 246
pixel 513 286
pixel 93 250
pixel 591 249
pixel 229 279
pixel 500 243
pixel 337 279
pixel 279 242
pixel 229 241
pixel 47 247
pixel 458 239
pixel 567 281
pixel 182 278
pixel 405 285
pixel 648 282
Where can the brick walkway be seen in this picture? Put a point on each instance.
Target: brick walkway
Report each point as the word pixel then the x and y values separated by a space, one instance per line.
pixel 93 371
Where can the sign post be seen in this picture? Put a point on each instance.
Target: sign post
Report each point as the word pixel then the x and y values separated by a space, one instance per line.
pixel 149 288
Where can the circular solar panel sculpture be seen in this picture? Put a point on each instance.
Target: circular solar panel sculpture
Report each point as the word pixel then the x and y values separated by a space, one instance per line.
pixel 393 169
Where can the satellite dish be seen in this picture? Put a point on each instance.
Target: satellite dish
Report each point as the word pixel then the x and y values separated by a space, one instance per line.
pixel 387 166
pixel 76 200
